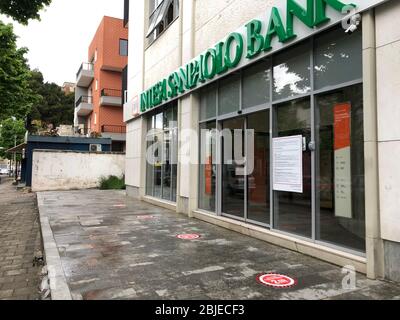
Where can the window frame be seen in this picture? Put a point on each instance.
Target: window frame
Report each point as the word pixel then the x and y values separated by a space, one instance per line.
pixel 271 105
pixel 153 35
pixel 121 47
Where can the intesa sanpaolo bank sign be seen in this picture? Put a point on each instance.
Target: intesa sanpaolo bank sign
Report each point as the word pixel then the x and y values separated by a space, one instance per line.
pixel 287 22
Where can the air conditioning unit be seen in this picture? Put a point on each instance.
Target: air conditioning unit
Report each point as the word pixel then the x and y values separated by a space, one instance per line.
pixel 95 148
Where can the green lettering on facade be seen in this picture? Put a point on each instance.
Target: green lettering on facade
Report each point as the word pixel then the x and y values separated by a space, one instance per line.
pixel 193 74
pixel 220 59
pixel 173 87
pixel 275 28
pixel 320 10
pixel 228 54
pixel 201 69
pixel 304 15
pixel 209 73
pixel 233 37
pixel 255 41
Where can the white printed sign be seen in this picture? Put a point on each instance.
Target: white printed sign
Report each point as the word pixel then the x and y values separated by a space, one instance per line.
pixel 288 164
pixel 342 143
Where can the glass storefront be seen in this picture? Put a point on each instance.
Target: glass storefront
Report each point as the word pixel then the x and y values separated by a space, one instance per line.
pixel 313 90
pixel 162 142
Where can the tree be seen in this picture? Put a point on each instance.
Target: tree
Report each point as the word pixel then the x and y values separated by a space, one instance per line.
pixel 11 131
pixel 53 106
pixel 23 10
pixel 16 96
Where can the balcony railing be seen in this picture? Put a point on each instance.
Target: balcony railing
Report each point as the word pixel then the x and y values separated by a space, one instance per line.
pixel 111 93
pixel 113 129
pixel 84 99
pixel 85 66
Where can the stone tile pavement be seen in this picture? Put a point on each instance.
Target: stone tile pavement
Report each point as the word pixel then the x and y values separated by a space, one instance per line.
pixel 112 247
pixel 19 241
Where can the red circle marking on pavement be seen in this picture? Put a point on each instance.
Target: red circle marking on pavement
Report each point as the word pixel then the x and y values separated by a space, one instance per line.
pixel 193 236
pixel 277 281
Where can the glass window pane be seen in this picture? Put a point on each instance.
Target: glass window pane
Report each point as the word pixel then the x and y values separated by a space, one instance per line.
pixel 340 176
pixel 208 103
pixel 123 47
pixel 229 95
pixel 207 192
pixel 258 182
pixel 158 164
pixel 256 85
pixel 232 182
pixel 166 167
pixel 337 58
pixel 161 176
pixel 149 171
pixel 168 116
pixel 293 211
pixel 159 121
pixel 292 73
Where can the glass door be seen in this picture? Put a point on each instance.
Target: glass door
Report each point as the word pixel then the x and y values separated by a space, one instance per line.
pixel 293 209
pixel 258 180
pixel 246 190
pixel 233 181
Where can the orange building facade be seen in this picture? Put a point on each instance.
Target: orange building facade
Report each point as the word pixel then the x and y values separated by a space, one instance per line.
pixel 99 95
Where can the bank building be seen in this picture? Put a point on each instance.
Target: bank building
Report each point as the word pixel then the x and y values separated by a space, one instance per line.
pixel 316 82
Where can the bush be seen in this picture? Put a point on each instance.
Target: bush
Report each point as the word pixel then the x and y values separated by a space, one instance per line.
pixel 112 183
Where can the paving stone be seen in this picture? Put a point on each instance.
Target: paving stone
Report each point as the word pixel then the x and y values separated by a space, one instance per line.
pixel 19 240
pixel 129 258
pixel 6 293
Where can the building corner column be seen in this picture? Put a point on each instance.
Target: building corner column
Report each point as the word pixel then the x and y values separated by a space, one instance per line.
pixel 374 242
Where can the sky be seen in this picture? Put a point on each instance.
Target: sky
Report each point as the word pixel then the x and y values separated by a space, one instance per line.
pixel 58 44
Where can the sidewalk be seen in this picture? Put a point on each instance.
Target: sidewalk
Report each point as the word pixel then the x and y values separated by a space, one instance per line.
pixel 112 247
pixel 19 240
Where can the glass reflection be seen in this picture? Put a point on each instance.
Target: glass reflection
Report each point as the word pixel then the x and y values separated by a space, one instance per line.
pixel 232 183
pixel 208 168
pixel 293 211
pixel 161 175
pixel 292 73
pixel 256 85
pixel 229 95
pixel 337 58
pixel 258 183
pixel 340 175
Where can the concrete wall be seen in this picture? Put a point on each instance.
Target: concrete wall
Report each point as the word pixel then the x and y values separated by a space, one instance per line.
pixel 68 170
pixel 134 154
pixel 216 19
pixel 388 87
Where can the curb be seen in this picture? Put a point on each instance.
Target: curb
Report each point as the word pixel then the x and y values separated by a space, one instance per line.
pixel 58 283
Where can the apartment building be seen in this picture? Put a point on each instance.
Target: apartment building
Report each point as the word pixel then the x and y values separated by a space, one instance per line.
pixel 68 87
pixel 309 86
pixel 98 92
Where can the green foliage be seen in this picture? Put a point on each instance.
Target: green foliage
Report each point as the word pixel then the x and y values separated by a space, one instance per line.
pixel 9 129
pixel 53 106
pixel 112 183
pixel 23 10
pixel 16 96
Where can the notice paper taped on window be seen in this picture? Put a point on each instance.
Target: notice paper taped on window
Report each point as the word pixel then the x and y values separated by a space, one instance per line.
pixel 288 164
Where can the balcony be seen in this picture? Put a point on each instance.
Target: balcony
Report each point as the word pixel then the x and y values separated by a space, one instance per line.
pixel 111 97
pixel 113 129
pixel 85 75
pixel 84 106
pixel 116 133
